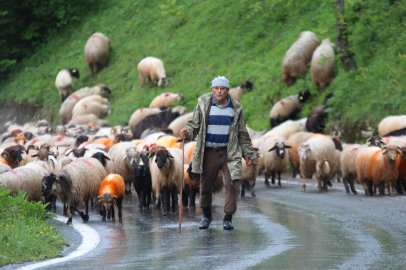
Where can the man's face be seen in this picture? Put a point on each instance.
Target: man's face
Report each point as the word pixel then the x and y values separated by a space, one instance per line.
pixel 220 94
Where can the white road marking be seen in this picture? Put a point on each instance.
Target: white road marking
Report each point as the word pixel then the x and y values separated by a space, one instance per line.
pixel 90 240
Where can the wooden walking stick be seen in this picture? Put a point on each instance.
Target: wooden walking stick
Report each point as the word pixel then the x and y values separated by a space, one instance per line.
pixel 181 186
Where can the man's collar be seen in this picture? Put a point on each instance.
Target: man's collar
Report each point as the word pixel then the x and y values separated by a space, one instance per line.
pixel 213 102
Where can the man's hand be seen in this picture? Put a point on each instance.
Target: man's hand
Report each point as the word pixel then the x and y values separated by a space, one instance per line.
pixel 248 161
pixel 183 134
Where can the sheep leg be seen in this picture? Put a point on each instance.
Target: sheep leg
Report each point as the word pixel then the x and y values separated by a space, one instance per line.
pixel 113 215
pixel 252 189
pixel 54 203
pixel 279 179
pixel 326 182
pixel 87 207
pixel 65 210
pixel 266 179
pixel 319 188
pixel 160 199
pixel 304 184
pixel 345 182
pixel 370 184
pixel 273 177
pixel 143 199
pixel 139 199
pixel 120 208
pixel 103 213
pixel 192 199
pixel 381 188
pixel 399 187
pixel 243 189
pixel 91 203
pixel 391 193
pixel 165 199
pixel 142 81
pixel 352 187
pixel 148 195
pixel 247 185
pixel 185 197
pixel 82 215
pixel 174 201
pixel 153 197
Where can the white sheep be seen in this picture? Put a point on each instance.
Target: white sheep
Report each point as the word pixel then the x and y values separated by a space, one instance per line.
pixel 179 123
pixel 287 108
pixel 78 181
pixel 92 98
pixel 4 167
pixel 153 69
pixel 92 108
pixel 63 82
pixel 316 148
pixel 124 156
pixel 166 173
pixel 165 100
pixel 65 112
pixel 286 129
pixel 323 64
pixel 322 173
pixel 295 61
pixel 88 118
pixel 275 156
pixel 391 123
pixel 96 51
pixel 240 90
pixel 140 114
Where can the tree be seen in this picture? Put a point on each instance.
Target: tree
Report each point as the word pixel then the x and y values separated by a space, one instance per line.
pixel 346 56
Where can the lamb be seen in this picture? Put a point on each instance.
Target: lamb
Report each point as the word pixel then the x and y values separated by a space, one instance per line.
pixel 240 90
pixel 111 192
pixel 316 148
pixel 179 123
pixel 295 141
pixel 140 114
pixel 142 181
pixel 96 51
pixel 63 82
pixel 250 174
pixel 274 162
pixel 124 156
pixel 322 173
pixel 295 62
pixel 166 172
pixel 165 100
pixel 348 158
pixel 88 118
pixel 378 166
pixel 65 112
pixel 153 69
pixel 27 179
pixel 159 120
pixel 323 64
pixel 78 181
pixel 92 108
pixel 288 108
pixel 390 124
pixel 317 118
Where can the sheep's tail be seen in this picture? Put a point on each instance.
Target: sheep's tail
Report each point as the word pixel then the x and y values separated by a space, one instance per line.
pixel 181 184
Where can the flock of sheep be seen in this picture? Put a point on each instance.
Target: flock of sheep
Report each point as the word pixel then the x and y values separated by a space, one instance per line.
pixel 83 159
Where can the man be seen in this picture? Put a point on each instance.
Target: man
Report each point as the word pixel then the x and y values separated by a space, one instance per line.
pixel 222 141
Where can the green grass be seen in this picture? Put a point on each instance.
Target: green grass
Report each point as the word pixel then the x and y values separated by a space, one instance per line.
pixel 25 235
pixel 242 40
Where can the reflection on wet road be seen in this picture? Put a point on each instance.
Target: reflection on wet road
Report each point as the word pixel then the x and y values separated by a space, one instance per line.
pixel 281 228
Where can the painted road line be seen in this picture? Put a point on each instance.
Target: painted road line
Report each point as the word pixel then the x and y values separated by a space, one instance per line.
pixel 90 240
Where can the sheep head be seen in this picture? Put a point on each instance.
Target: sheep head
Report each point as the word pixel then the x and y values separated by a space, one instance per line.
pixel 43 154
pixel 375 141
pixel 28 135
pixel 74 72
pixel 32 147
pixel 304 95
pixel 79 152
pixel 247 86
pixel 164 81
pixel 108 201
pixel 104 90
pixel 304 151
pixel 257 155
pixel 163 157
pixel 131 157
pixel 101 157
pixel 52 184
pixel 279 148
pixel 391 151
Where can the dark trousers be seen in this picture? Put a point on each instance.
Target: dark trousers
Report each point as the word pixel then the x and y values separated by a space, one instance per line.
pixel 213 162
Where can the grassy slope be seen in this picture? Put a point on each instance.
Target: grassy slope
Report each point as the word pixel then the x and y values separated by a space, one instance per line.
pixel 199 40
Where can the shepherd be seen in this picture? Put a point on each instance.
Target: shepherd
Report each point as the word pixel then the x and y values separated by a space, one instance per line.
pixel 219 124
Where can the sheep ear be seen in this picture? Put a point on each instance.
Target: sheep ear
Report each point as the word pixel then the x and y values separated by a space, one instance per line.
pixel 384 150
pixel 68 153
pixel 5 155
pixel 288 146
pixel 170 156
pixel 273 148
pixel 99 201
pixel 114 196
pixel 35 155
pixel 399 151
pixel 125 157
pixel 107 158
pixel 98 197
pixel 368 142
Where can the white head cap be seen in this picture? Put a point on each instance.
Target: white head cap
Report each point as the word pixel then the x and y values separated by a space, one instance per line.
pixel 220 81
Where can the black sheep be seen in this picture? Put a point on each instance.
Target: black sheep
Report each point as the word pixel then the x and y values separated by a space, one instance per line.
pixel 159 120
pixel 316 119
pixel 142 181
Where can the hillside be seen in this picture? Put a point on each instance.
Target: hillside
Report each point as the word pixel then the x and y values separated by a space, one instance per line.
pixel 240 39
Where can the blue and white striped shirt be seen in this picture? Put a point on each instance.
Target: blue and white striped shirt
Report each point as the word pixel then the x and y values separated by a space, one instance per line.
pixel 220 119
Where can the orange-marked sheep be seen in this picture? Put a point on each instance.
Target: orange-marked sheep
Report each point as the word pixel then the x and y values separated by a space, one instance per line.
pixel 190 150
pixel 295 141
pixel 96 51
pixel 295 62
pixel 378 166
pixel 111 192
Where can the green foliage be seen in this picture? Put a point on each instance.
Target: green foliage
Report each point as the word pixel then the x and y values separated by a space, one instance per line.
pixel 242 40
pixel 24 233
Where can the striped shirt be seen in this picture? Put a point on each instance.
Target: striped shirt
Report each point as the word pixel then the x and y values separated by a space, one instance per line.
pixel 220 119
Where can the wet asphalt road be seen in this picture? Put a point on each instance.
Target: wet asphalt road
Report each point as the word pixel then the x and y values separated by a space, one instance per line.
pixel 281 228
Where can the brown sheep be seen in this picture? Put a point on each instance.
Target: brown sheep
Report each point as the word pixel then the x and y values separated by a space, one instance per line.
pixel 323 64
pixel 295 141
pixel 378 166
pixel 298 56
pixel 96 51
pixel 316 119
